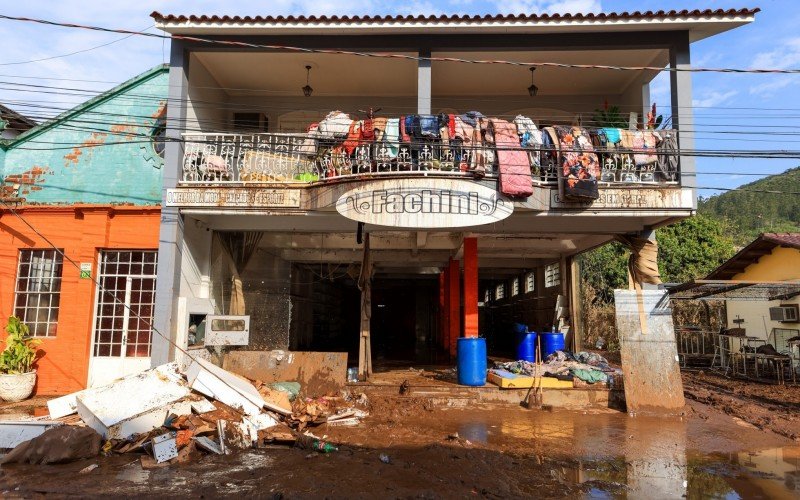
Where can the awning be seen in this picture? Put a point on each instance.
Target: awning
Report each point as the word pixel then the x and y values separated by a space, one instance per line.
pixel 734 290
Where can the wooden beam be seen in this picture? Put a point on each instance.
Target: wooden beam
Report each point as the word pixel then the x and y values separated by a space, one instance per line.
pixel 365 284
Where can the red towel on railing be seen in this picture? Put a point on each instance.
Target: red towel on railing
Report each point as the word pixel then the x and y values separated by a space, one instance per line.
pixel 351 143
pixel 515 169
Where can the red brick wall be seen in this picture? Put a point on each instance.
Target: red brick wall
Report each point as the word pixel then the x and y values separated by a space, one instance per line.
pixel 80 231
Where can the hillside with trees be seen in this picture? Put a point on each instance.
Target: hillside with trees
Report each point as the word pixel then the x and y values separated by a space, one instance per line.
pixel 751 213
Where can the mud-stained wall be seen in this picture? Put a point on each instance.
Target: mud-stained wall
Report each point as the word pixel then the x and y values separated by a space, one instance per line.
pixel 100 152
pixel 266 283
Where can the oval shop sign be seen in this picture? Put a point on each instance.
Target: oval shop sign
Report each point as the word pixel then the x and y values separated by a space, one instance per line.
pixel 424 203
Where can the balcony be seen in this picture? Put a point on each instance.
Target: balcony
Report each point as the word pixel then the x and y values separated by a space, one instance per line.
pixel 227 160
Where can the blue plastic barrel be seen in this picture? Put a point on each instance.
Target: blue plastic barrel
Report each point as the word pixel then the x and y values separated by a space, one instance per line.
pixel 551 342
pixel 526 346
pixel 472 361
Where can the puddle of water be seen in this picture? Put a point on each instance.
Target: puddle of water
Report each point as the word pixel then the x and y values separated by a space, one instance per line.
pixel 773 473
pixel 649 458
pixel 134 473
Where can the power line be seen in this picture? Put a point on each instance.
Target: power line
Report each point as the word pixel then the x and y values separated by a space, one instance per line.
pixel 236 43
pixel 16 63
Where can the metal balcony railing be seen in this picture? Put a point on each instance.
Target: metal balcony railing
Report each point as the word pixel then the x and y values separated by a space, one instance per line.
pixel 222 158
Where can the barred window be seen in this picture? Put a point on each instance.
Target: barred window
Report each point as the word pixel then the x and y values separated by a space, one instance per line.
pixel 38 291
pixel 515 287
pixel 500 291
pixel 530 282
pixel 552 275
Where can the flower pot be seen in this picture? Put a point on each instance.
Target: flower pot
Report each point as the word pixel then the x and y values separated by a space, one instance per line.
pixel 17 387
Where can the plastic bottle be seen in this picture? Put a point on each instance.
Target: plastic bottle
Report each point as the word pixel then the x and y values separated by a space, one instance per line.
pixel 312 443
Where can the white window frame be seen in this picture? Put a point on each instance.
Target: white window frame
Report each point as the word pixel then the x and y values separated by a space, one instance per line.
pixel 552 275
pixel 530 282
pixel 42 279
pixel 500 291
pixel 121 321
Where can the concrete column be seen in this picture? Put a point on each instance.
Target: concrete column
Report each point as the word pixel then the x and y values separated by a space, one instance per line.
pixel 682 116
pixel 441 338
pixel 470 287
pixel 424 84
pixel 454 305
pixel 171 234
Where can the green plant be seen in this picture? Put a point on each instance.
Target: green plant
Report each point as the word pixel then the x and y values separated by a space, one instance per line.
pixel 609 116
pixel 21 350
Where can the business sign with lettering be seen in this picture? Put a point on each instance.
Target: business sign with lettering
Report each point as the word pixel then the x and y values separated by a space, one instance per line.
pixel 629 199
pixel 233 198
pixel 424 203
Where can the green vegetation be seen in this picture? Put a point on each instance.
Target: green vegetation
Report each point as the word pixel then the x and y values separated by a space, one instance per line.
pixel 689 249
pixel 752 213
pixel 21 350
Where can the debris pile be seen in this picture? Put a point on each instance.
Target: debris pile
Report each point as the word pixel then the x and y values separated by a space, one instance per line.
pixel 174 416
pixel 586 367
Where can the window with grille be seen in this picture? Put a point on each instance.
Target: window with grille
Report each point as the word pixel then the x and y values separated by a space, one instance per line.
pixel 125 303
pixel 552 275
pixel 38 291
pixel 514 287
pixel 487 296
pixel 530 282
pixel 500 291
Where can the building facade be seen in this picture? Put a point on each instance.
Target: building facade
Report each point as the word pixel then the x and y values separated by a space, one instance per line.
pixel 388 228
pixel 81 205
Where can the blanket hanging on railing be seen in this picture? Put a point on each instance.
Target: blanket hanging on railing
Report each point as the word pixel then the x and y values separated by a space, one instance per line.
pixel 515 169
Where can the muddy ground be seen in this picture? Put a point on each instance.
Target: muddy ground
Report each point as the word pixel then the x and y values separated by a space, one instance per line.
pixel 732 440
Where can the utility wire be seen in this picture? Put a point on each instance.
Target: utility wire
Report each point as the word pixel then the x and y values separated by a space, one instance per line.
pixel 16 63
pixel 236 43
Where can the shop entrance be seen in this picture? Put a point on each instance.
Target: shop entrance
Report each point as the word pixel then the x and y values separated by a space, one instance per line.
pixel 326 314
pixel 404 320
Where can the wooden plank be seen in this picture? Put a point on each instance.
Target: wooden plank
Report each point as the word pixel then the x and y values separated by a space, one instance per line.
pixel 318 373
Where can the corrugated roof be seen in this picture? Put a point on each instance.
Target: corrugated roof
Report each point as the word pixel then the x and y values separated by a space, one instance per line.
pixel 761 246
pixel 390 19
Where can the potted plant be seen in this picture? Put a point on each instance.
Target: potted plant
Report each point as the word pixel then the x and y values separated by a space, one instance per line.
pixel 17 378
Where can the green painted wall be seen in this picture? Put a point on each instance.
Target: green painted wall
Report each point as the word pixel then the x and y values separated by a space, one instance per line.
pixel 100 152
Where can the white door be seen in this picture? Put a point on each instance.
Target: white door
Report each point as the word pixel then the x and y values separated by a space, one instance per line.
pixel 124 306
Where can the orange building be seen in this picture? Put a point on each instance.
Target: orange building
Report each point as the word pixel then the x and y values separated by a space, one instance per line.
pixel 78 215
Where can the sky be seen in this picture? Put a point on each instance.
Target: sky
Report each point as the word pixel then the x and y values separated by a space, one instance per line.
pixel 732 111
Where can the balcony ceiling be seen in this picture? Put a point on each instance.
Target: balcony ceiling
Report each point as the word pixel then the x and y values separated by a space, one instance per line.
pixel 283 74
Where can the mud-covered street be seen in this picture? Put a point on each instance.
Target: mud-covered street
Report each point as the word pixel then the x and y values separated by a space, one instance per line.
pixel 719 448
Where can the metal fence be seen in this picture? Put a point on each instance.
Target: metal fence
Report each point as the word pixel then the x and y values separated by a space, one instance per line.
pixel 214 158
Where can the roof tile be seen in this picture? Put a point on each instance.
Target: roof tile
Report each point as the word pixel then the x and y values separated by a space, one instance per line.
pixel 660 14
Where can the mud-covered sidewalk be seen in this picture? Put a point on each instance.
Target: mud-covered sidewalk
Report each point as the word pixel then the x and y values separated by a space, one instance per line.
pixel 407 449
pixel 772 408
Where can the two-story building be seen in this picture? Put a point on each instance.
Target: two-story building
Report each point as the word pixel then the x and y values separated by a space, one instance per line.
pixel 80 205
pixel 467 151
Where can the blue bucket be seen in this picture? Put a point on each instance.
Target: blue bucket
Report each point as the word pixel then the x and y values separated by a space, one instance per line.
pixel 472 361
pixel 526 346
pixel 551 342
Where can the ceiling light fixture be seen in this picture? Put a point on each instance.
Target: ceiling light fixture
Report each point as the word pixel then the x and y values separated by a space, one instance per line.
pixel 307 90
pixel 533 89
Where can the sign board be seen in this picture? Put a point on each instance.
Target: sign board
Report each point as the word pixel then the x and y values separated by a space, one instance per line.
pixel 250 197
pixel 424 203
pixel 628 199
pixel 86 270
